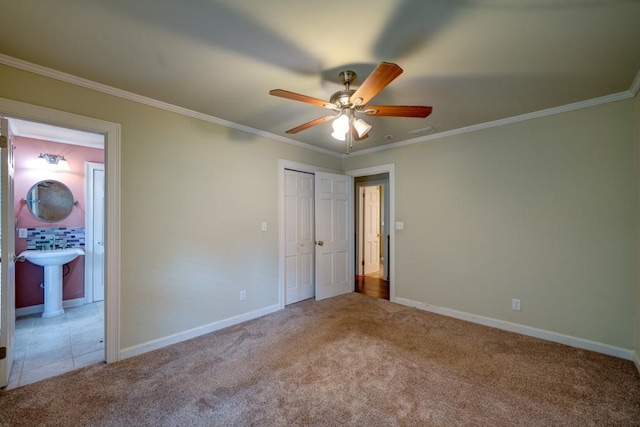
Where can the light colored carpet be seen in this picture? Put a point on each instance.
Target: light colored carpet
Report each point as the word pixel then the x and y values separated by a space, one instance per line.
pixel 347 361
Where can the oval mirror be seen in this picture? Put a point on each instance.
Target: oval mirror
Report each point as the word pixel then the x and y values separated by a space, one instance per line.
pixel 50 201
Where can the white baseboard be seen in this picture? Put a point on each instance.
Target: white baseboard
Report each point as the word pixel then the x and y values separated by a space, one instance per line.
pixel 584 344
pixel 39 308
pixel 195 332
pixel 636 360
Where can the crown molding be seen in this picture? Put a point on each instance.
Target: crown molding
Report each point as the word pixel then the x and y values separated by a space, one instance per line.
pixel 506 121
pixel 635 86
pixel 99 87
pixel 69 78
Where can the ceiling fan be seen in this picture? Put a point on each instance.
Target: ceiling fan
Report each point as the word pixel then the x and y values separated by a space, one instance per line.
pixel 349 103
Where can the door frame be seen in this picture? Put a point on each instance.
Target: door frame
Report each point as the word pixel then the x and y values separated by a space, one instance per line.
pixel 375 170
pixel 302 167
pixel 8 225
pixel 89 168
pixel 112 148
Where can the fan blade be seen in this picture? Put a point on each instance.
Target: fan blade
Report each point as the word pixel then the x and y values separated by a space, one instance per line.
pixel 384 74
pixel 398 110
pixel 310 124
pixel 302 98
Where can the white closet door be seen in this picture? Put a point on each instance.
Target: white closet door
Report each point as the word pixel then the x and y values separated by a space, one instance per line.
pixel 299 236
pixel 334 234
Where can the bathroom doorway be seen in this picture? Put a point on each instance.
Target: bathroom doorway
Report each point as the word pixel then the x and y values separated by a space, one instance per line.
pixel 112 152
pixel 47 346
pixel 112 146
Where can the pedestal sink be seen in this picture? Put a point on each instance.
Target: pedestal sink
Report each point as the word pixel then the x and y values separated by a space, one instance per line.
pixel 52 261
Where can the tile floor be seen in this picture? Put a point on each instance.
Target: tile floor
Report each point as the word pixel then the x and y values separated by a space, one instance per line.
pixel 48 347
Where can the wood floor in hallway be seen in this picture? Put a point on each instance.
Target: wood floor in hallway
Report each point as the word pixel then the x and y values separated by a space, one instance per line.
pixel 373 285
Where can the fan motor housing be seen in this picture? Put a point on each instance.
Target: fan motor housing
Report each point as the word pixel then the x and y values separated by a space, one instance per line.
pixel 342 98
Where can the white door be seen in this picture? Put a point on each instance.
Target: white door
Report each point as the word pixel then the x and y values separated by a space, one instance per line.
pixel 334 235
pixel 94 225
pixel 7 254
pixel 371 211
pixel 299 236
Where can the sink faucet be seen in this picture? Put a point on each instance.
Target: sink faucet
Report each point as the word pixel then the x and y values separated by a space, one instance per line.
pixel 58 243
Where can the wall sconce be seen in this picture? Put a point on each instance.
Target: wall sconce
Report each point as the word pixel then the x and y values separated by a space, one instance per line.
pixel 53 160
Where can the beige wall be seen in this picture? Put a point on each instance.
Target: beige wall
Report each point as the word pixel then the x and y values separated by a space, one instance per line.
pixel 193 197
pixel 544 211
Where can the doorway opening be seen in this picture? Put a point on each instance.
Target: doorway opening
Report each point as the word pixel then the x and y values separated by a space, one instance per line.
pixel 72 337
pixel 372 235
pixel 110 133
pixel 374 216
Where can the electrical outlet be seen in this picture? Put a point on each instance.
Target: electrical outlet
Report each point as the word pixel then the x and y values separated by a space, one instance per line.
pixel 243 295
pixel 515 304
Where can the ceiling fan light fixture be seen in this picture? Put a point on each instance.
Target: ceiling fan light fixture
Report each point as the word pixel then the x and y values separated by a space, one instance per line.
pixel 341 124
pixel 339 136
pixel 362 127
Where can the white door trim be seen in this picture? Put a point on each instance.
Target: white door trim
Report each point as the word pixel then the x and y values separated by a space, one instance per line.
pixel 111 131
pixel 302 167
pixel 374 170
pixel 8 248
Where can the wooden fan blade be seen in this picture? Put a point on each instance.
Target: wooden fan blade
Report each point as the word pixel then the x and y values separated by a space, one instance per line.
pixel 310 124
pixel 398 110
pixel 384 74
pixel 302 98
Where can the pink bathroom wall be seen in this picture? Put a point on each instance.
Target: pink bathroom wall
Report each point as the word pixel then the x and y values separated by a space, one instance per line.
pixel 30 276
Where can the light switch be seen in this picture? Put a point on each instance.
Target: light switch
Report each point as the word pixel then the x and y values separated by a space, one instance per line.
pixel 22 233
pixel 264 226
pixel 399 225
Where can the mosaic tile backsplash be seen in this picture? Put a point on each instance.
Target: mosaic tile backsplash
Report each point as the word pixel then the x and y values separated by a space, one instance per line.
pixel 55 238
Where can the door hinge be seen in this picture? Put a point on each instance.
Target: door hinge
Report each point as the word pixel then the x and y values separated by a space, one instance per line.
pixel 3 353
pixel 3 141
pixel 362 262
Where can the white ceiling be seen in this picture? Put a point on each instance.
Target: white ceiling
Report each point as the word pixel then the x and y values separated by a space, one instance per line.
pixel 473 61
pixel 47 132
